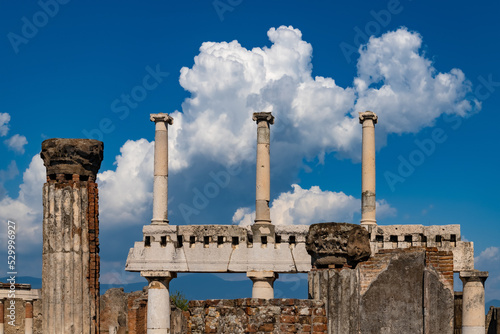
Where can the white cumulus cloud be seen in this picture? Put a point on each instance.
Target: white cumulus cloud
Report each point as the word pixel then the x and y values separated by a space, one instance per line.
pixel 26 210
pixel 308 206
pixel 126 193
pixel 314 116
pixel 489 260
pixel 4 124
pixel 397 82
pixel 16 143
pixel 487 256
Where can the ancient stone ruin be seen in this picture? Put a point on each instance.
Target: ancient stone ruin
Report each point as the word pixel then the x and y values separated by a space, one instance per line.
pixel 70 269
pixel 365 278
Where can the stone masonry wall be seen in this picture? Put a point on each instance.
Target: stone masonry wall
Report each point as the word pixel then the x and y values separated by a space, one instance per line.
pixel 407 290
pixel 396 291
pixel 19 324
pixel 257 316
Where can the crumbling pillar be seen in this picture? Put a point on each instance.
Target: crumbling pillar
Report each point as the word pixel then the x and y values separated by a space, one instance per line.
pixel 263 282
pixel 473 309
pixel 70 265
pixel 158 317
pixel 160 187
pixel 28 320
pixel 368 205
pixel 263 172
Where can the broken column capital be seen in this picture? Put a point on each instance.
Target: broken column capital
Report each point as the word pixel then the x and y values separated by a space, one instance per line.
pixel 161 117
pixel 72 156
pixel 363 116
pixel 337 245
pixel 263 116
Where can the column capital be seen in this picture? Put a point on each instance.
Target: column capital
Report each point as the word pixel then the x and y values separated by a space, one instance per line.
pixel 158 275
pixel 262 275
pixel 72 156
pixel 363 116
pixel 473 276
pixel 263 116
pixel 161 117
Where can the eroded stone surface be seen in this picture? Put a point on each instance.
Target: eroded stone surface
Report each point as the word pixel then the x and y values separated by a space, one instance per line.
pixel 72 156
pixel 337 244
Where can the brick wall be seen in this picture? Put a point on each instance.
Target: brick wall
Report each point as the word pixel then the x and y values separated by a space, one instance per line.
pixel 137 314
pixel 94 259
pixel 257 316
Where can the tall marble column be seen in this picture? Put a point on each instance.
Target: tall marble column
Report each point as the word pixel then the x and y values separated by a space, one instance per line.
pixel 368 204
pixel 158 317
pixel 263 172
pixel 263 230
pixel 473 309
pixel 70 260
pixel 160 187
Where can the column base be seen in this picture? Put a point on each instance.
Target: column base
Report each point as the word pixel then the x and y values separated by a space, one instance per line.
pixel 368 222
pixel 159 221
pixel 473 330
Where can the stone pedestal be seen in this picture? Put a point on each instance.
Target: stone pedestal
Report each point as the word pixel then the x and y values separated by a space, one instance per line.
pixel 473 316
pixel 368 205
pixel 263 171
pixel 158 317
pixel 70 267
pixel 263 284
pixel 160 187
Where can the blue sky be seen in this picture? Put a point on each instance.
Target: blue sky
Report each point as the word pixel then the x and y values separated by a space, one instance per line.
pixel 75 70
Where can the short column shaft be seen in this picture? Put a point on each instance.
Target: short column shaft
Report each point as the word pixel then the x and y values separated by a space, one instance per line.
pixel 263 170
pixel 368 200
pixel 263 284
pixel 160 186
pixel 158 314
pixel 473 309
pixel 1 317
pixel 28 321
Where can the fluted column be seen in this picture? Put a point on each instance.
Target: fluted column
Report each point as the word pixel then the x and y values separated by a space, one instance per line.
pixel 70 257
pixel 368 202
pixel 473 309
pixel 160 187
pixel 158 317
